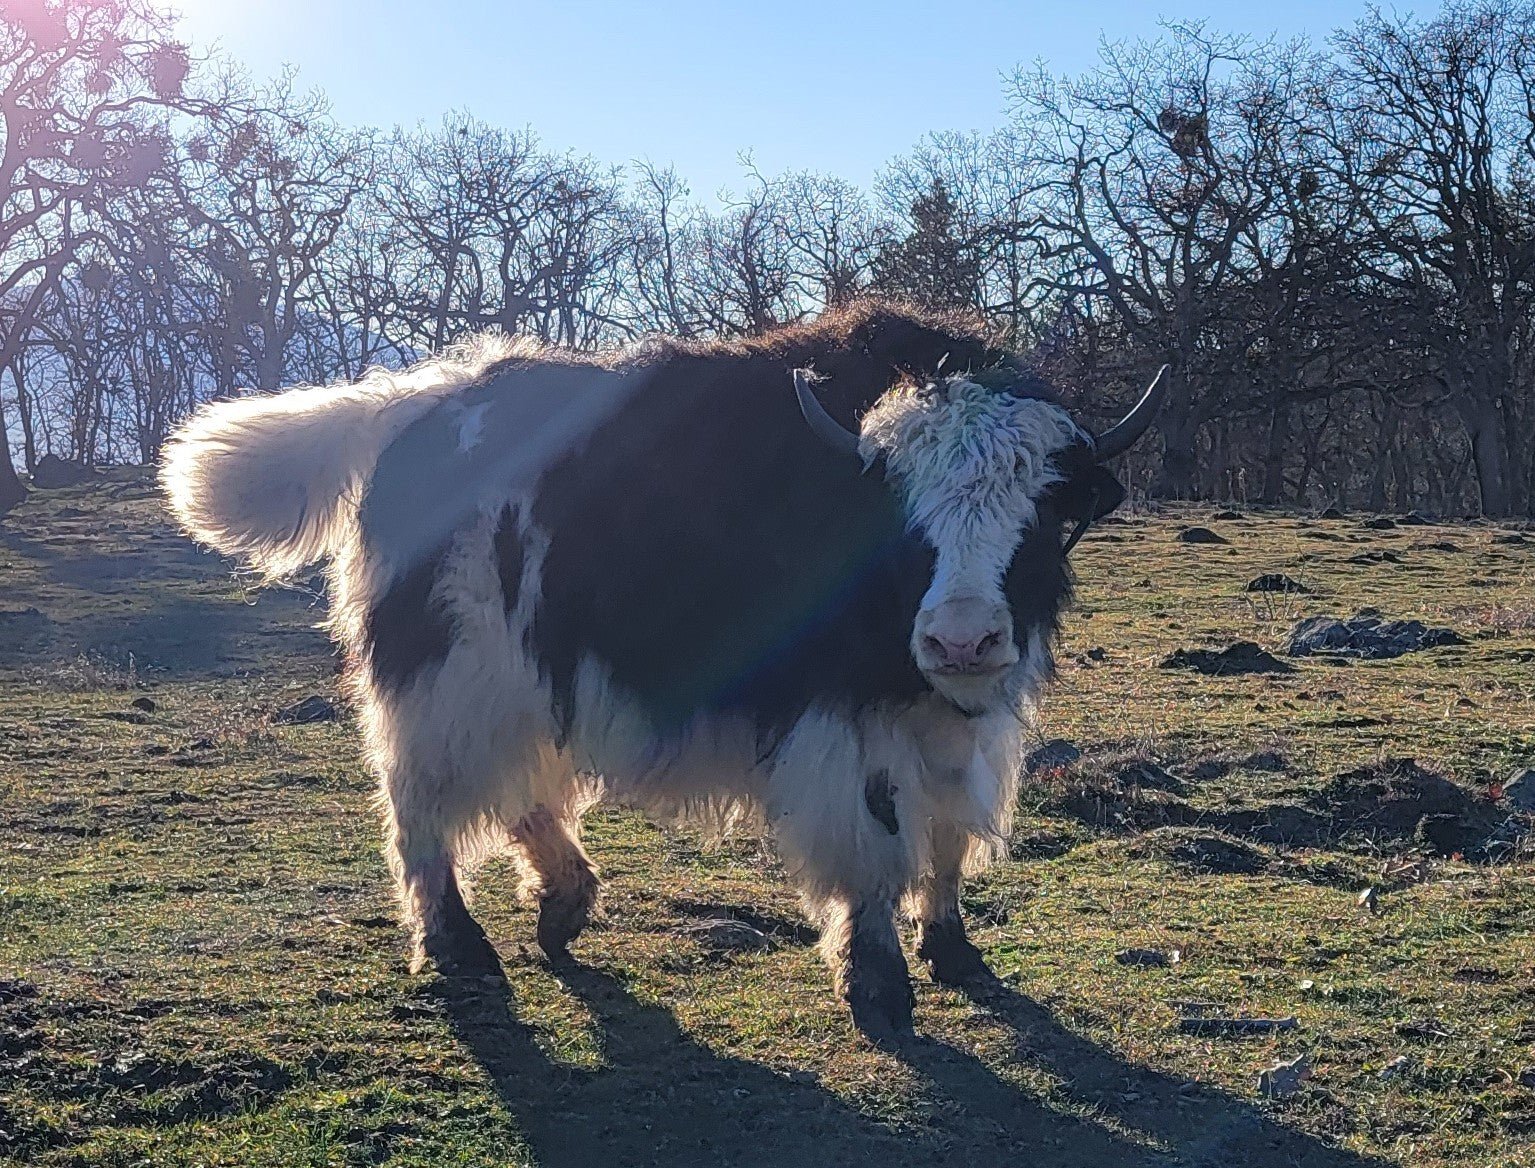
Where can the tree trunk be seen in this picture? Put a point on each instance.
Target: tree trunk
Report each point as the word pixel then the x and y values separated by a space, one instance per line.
pixel 1179 430
pixel 1273 460
pixel 1489 452
pixel 12 490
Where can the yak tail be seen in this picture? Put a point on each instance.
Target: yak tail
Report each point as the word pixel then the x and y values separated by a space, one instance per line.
pixel 275 479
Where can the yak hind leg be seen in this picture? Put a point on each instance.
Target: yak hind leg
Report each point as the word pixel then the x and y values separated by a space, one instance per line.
pixel 559 875
pixel 950 956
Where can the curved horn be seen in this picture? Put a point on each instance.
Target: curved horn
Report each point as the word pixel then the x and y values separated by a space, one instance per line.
pixel 1120 437
pixel 826 427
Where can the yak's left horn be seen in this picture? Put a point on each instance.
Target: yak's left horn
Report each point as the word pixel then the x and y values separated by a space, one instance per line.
pixel 826 427
pixel 1123 435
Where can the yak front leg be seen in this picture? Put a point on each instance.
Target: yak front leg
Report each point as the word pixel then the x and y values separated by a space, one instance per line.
pixel 861 945
pixel 941 939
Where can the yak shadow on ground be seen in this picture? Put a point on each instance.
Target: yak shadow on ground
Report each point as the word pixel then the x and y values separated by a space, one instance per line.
pixel 665 1099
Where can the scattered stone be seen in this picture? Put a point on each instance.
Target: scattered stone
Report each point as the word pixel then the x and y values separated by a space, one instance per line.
pixel 1379 523
pixel 1145 773
pixel 1376 557
pixel 1200 535
pixel 314 708
pixel 1366 636
pixel 1276 582
pixel 14 989
pixel 1331 513
pixel 1519 791
pixel 1284 1078
pixel 725 935
pixel 1415 519
pixel 1369 900
pixel 1422 1028
pixel 1395 1067
pixel 1517 538
pixel 1236 1026
pixel 1527 1077
pixel 1242 657
pixel 1476 975
pixel 1206 852
pixel 53 472
pixel 1097 653
pixel 1143 958
pixel 1228 515
pixel 145 704
pixel 1438 545
pixel 1052 756
pixel 1266 760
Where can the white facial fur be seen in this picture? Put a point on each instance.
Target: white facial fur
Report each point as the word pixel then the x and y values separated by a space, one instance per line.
pixel 970 464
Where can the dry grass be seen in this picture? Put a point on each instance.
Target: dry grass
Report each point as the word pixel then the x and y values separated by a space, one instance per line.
pixel 198 963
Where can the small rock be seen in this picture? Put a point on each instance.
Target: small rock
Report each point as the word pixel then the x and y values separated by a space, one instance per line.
pixel 1331 513
pixel 1519 791
pixel 1097 653
pixel 1200 535
pixel 1376 557
pixel 726 935
pixel 314 708
pixel 1415 519
pixel 1284 1078
pixel 1369 900
pixel 1379 523
pixel 53 472
pixel 1425 1028
pixel 1366 636
pixel 145 704
pixel 1228 515
pixel 1143 958
pixel 1276 582
pixel 1052 756
pixel 1395 1067
pixel 1527 1077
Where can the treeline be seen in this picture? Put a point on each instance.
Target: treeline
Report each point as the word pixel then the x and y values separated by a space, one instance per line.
pixel 1332 245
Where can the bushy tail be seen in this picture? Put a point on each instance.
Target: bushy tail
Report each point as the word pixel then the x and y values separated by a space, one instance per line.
pixel 275 479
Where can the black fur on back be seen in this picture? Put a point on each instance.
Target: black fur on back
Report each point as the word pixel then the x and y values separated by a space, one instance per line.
pixel 704 544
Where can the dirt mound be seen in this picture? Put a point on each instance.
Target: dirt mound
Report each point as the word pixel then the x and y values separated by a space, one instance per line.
pixel 1276 582
pixel 1242 657
pixel 1393 808
pixel 1400 804
pixel 1200 535
pixel 1203 851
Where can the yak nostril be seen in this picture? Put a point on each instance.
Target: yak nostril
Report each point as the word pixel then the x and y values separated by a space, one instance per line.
pixel 936 647
pixel 989 642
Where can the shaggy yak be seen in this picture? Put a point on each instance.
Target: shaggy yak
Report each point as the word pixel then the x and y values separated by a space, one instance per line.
pixel 809 580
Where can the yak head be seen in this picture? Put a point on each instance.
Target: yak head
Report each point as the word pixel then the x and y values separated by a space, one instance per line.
pixel 990 477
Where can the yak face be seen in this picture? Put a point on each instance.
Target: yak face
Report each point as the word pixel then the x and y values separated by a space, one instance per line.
pixel 986 479
pixel 988 475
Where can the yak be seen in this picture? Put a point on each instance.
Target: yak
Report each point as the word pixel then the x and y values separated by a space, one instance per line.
pixel 807 580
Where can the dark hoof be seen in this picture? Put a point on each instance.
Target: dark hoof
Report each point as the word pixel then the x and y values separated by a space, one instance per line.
pixel 458 947
pixel 561 917
pixel 878 991
pixel 951 958
pixel 462 953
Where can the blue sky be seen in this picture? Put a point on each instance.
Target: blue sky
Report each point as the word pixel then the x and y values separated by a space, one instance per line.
pixel 839 87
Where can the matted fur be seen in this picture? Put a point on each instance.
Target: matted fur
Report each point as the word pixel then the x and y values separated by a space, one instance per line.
pixel 482 733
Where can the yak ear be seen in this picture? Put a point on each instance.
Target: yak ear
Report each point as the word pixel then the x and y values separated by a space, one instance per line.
pixel 1089 494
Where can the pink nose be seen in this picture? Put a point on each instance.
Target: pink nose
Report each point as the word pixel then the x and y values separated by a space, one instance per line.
pixel 961 654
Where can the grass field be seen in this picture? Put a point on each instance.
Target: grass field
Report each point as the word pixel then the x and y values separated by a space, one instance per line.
pixel 199 962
